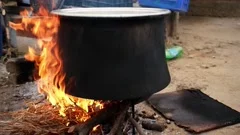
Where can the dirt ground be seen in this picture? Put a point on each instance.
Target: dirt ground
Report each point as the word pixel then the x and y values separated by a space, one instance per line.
pixel 210 63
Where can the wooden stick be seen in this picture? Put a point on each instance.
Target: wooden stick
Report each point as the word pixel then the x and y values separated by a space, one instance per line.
pixel 120 132
pixel 126 127
pixel 101 116
pixel 174 23
pixel 139 129
pixel 117 123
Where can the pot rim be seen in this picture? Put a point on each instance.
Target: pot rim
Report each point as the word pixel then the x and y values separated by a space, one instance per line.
pixel 111 12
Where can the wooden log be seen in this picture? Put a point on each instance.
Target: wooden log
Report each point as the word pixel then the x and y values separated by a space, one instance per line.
pixel 174 24
pixel 153 125
pixel 100 117
pixel 117 124
pixel 139 129
pixel 126 127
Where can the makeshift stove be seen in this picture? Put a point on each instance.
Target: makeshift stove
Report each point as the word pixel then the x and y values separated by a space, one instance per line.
pixel 97 62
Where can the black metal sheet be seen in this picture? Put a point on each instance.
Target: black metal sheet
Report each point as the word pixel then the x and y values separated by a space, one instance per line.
pixel 194 110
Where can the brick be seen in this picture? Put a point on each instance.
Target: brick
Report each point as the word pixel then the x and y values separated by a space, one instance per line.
pixel 215 8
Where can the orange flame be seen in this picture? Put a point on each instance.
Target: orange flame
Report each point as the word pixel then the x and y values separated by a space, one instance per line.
pixel 49 63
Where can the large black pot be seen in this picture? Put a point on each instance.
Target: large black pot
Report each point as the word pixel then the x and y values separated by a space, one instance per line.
pixel 113 53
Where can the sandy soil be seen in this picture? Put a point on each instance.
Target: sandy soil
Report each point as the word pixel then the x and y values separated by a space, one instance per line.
pixel 210 63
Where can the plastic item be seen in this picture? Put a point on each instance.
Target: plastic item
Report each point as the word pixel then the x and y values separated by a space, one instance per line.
pixel 174 52
pixel 175 5
pixel 107 3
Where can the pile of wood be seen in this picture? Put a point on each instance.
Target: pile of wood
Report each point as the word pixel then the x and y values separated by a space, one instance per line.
pixel 44 119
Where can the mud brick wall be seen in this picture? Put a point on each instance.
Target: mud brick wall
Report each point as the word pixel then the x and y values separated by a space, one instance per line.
pixel 216 8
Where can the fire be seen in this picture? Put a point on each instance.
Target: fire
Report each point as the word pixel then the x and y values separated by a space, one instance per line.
pixel 96 128
pixel 49 63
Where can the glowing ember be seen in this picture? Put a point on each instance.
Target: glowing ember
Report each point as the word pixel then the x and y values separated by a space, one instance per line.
pixel 96 128
pixel 49 63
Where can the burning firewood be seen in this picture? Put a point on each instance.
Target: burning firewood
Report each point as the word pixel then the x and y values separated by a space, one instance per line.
pixel 101 116
pixel 44 120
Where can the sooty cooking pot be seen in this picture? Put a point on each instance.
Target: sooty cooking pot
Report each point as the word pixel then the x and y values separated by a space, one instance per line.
pixel 113 53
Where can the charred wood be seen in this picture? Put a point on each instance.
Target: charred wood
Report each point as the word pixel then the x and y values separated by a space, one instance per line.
pixel 134 122
pixel 98 118
pixel 153 125
pixel 117 124
pixel 126 127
